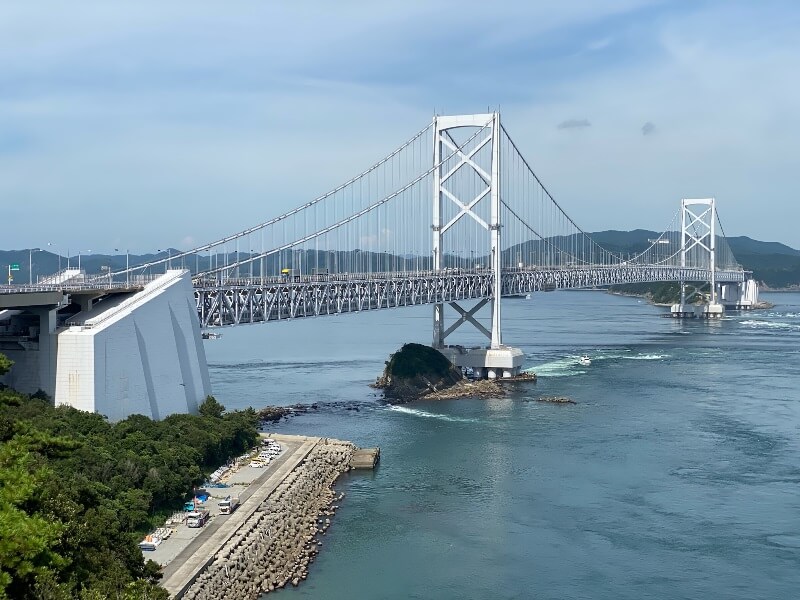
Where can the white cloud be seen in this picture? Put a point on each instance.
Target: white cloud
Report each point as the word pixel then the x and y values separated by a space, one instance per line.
pixel 601 44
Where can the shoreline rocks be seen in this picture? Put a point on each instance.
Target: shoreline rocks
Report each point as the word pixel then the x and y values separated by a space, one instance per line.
pixel 272 414
pixel 479 388
pixel 278 543
pixel 556 399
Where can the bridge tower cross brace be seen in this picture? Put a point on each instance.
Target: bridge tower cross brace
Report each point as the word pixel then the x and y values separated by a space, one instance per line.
pixel 444 145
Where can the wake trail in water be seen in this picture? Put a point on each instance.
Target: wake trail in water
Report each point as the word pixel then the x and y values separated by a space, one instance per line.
pixel 429 415
pixel 569 366
pixel 778 325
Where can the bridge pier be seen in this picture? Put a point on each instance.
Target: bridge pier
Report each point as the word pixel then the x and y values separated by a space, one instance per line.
pixel 741 296
pixel 486 363
pixel 712 310
pixel 730 296
pixel 682 311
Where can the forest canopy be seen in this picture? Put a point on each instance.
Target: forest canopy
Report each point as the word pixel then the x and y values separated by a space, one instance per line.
pixel 77 492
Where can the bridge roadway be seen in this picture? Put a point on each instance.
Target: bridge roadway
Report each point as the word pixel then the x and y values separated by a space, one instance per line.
pixel 242 301
pixel 256 300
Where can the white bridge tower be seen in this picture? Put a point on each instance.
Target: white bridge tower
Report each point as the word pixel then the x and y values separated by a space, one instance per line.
pixel 496 360
pixel 698 249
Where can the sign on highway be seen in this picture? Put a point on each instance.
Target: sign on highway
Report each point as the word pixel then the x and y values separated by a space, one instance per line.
pixel 14 267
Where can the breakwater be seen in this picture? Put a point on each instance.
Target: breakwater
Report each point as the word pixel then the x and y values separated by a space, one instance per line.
pixel 274 544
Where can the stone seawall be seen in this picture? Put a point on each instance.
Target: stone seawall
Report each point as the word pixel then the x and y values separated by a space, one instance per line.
pixel 276 544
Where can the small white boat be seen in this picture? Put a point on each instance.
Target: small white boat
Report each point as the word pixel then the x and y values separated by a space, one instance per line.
pixel 584 361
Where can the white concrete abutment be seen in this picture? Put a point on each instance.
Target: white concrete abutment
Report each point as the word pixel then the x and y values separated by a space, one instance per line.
pixel 130 352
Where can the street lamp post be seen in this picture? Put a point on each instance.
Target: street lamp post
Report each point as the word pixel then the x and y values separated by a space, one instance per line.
pixel 59 256
pixel 127 266
pixel 30 263
pixel 167 265
pixel 79 257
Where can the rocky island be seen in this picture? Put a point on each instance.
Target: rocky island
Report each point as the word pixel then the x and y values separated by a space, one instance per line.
pixel 418 372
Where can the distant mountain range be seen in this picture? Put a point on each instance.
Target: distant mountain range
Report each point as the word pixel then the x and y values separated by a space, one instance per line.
pixel 775 264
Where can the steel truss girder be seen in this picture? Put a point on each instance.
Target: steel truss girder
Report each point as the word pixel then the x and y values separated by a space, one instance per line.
pixel 224 305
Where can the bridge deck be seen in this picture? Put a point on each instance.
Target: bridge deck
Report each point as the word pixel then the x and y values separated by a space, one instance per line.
pixel 236 302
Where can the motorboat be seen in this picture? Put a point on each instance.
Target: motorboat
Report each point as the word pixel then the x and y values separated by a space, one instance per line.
pixel 584 361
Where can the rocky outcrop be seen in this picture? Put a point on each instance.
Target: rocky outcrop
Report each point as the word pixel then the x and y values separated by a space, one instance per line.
pixel 272 414
pixel 556 399
pixel 278 543
pixel 416 370
pixel 479 388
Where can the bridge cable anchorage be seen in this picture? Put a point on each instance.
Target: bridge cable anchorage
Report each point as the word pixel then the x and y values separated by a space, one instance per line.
pixel 279 218
pixel 342 222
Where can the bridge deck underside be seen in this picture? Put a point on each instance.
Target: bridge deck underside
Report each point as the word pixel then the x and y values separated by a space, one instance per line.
pixel 224 305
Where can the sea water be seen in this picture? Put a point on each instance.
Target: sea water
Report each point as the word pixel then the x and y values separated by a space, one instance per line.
pixel 675 475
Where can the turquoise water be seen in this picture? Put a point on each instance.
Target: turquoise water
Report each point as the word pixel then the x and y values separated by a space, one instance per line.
pixel 676 474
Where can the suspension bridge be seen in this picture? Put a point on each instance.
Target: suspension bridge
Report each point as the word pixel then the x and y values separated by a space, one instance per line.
pixel 455 213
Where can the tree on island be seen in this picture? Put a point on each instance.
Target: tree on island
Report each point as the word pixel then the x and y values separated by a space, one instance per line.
pixel 415 370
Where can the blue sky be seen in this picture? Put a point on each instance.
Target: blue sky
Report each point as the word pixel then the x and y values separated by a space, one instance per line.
pixel 150 124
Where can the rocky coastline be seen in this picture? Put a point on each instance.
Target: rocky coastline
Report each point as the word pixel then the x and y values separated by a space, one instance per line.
pixel 478 388
pixel 273 414
pixel 556 400
pixel 277 544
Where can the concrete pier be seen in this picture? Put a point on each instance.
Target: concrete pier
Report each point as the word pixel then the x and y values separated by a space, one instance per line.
pixel 487 363
pixel 366 458
pixel 682 311
pixel 700 311
pixel 711 311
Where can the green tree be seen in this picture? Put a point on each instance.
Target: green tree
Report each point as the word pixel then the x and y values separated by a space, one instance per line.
pixel 27 539
pixel 5 364
pixel 77 492
pixel 211 408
